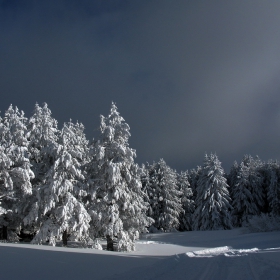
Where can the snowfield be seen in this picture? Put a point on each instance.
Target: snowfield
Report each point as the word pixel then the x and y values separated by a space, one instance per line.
pixel 231 254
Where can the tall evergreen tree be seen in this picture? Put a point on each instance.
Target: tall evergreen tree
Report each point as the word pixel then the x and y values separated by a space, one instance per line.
pixel 272 170
pixel 232 176
pixel 43 136
pixel 186 200
pixel 58 209
pixel 193 177
pixel 212 200
pixel 164 196
pixel 117 207
pixel 256 179
pixel 15 170
pixel 248 190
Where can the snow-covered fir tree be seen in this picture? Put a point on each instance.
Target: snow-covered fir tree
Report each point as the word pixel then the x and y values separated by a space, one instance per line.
pixel 212 200
pixel 116 202
pixel 256 179
pixel 186 200
pixel 164 196
pixel 232 176
pixel 58 209
pixel 6 184
pixel 193 176
pixel 145 181
pixel 43 136
pixel 43 144
pixel 272 172
pixel 242 198
pixel 248 190
pixel 15 172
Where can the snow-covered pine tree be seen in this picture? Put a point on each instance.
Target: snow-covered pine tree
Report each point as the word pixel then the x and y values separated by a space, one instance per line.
pixel 193 177
pixel 186 200
pixel 242 199
pixel 164 196
pixel 272 171
pixel 43 136
pixel 6 183
pixel 212 200
pixel 117 207
pixel 232 176
pixel 15 170
pixel 248 190
pixel 256 179
pixel 145 182
pixel 43 144
pixel 58 209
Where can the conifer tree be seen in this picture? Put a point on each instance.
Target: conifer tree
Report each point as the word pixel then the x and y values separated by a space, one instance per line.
pixel 116 201
pixel 256 179
pixel 164 196
pixel 272 170
pixel 186 200
pixel 248 190
pixel 232 176
pixel 242 199
pixel 212 200
pixel 6 183
pixel 58 209
pixel 15 173
pixel 193 177
pixel 43 136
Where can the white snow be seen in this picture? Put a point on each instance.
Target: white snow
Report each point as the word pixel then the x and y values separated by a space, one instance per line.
pixel 230 254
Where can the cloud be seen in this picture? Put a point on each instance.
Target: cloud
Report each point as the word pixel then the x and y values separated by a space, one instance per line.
pixel 189 78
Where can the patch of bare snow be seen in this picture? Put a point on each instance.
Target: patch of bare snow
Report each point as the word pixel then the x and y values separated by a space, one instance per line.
pixel 215 255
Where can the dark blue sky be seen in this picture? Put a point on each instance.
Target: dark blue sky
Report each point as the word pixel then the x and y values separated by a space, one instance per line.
pixel 189 77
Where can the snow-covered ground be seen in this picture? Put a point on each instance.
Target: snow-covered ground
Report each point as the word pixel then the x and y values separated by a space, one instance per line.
pixel 230 254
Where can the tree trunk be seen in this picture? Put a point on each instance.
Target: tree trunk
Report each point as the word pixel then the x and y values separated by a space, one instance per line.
pixel 5 232
pixel 110 243
pixel 64 238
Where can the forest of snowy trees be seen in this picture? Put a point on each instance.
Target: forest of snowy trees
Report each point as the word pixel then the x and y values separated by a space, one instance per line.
pixel 55 185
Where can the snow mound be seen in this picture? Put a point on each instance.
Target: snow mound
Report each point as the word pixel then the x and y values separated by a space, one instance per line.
pixel 240 252
pixel 149 242
pixel 208 252
pixel 225 250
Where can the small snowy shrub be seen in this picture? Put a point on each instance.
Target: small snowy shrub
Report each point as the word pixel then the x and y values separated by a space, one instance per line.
pixel 12 236
pixel 125 243
pixel 96 245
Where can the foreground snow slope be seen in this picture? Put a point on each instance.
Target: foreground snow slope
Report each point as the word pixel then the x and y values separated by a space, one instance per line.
pixel 188 255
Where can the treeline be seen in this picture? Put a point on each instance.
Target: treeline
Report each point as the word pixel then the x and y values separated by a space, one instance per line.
pixel 56 185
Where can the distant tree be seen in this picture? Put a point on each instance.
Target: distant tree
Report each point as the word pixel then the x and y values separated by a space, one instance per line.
pixel 15 172
pixel 232 176
pixel 242 199
pixel 186 200
pixel 193 177
pixel 272 171
pixel 248 191
pixel 164 196
pixel 256 178
pixel 58 209
pixel 212 200
pixel 116 202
